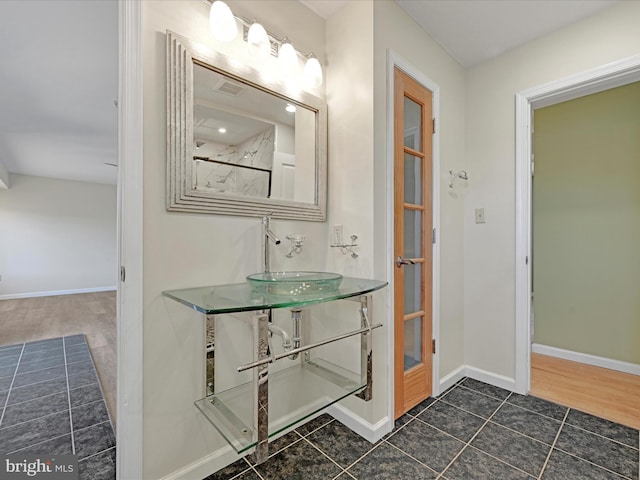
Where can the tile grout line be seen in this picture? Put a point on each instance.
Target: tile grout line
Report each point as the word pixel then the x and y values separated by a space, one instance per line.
pixel 315 429
pixel 343 472
pixel 411 457
pixel 6 401
pixel 321 452
pixel 242 472
pixel 617 474
pixel 601 436
pixel 50 395
pixel 521 433
pixel 471 446
pixel 474 436
pixel 97 453
pixel 273 454
pixel 538 413
pixel 29 421
pixel 363 456
pixel 32 419
pixel 555 441
pixel 66 372
pixel 36 444
pixel 544 443
pixel 50 366
pixel 253 468
pixel 42 381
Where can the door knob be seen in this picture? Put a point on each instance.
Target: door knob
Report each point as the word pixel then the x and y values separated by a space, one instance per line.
pixel 400 261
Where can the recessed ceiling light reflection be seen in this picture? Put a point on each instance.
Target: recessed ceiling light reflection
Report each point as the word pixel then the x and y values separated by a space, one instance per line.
pixel 290 108
pixel 222 130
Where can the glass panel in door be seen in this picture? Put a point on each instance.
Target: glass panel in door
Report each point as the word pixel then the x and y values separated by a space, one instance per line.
pixel 412 342
pixel 412 124
pixel 412 288
pixel 412 179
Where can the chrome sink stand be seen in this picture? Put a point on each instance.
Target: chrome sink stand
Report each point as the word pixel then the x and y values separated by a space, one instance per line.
pixel 265 356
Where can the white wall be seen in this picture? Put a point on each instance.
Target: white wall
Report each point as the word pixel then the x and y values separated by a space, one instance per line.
pixel 187 250
pixel 56 236
pixel 489 272
pixel 350 199
pixel 395 30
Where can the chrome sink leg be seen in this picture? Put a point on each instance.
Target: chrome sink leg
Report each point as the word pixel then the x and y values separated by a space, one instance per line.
pixel 261 333
pixel 366 350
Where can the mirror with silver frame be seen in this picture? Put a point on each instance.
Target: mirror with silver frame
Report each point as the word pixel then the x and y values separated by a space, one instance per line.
pixel 240 143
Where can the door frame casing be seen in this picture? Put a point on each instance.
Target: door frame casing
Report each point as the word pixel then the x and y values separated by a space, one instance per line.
pixel 129 431
pixel 395 60
pixel 595 80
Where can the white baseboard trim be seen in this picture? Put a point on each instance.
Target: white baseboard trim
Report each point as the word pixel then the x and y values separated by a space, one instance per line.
pixel 450 379
pixel 463 371
pixel 206 465
pixel 491 378
pixel 586 358
pixel 56 292
pixel 368 431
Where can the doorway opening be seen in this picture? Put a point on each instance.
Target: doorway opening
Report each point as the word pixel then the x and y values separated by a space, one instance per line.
pixel 596 80
pixel 585 264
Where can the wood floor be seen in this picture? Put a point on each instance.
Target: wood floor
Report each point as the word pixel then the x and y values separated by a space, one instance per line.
pixel 606 393
pixel 91 314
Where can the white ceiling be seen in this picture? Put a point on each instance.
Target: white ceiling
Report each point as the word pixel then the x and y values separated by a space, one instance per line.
pixel 473 31
pixel 59 79
pixel 59 69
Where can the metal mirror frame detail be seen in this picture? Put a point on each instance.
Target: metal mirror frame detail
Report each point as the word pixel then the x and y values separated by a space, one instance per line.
pixel 181 196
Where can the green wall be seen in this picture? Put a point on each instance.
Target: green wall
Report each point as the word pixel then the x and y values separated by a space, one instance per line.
pixel 586 224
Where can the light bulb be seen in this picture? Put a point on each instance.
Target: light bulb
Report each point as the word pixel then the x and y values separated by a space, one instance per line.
pixel 312 72
pixel 288 58
pixel 258 40
pixel 222 22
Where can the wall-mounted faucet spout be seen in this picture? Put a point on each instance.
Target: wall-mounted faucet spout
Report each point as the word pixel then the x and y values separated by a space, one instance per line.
pixel 267 236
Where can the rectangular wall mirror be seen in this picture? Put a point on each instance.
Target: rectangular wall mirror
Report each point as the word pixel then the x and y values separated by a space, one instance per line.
pixel 239 143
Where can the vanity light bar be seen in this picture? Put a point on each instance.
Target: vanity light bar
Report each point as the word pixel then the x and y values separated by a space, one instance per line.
pixel 312 69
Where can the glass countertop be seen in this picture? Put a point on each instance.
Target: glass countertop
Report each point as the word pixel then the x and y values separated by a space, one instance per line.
pixel 240 297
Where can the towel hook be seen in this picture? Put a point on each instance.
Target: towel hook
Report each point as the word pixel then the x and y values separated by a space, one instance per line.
pixel 462 174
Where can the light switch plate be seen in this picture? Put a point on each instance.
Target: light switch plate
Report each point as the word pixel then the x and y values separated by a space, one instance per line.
pixel 479 215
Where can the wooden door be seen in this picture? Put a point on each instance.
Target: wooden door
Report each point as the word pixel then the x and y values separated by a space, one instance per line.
pixel 413 212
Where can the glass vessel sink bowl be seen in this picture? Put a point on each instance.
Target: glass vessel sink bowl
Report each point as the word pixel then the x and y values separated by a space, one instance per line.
pixel 293 284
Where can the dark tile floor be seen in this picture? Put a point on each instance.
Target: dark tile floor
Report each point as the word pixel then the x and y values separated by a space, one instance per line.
pixel 472 431
pixel 51 403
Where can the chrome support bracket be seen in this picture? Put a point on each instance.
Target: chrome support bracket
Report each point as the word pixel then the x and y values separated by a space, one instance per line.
pixel 366 349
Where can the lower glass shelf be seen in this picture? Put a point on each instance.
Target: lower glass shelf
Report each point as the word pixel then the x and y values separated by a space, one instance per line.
pixel 295 394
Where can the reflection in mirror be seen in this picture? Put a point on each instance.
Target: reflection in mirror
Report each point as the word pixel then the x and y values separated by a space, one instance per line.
pixel 236 147
pixel 249 142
